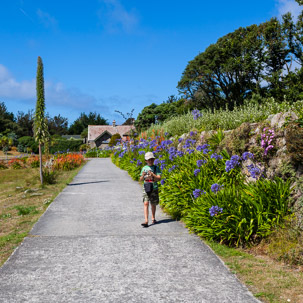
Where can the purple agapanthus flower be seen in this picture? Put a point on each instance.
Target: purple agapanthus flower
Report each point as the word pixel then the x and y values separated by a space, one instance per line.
pixel 254 171
pixel 172 168
pixel 216 187
pixel 215 210
pixel 216 156
pixel 196 172
pixel 201 162
pixel 232 163
pixel 156 162
pixel 247 155
pixel 139 163
pixel 162 181
pixel 196 114
pixel 198 192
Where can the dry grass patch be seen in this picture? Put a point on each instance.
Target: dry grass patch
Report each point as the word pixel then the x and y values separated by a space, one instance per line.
pixel 22 202
pixel 269 280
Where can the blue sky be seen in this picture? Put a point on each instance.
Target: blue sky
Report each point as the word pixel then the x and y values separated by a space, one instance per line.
pixel 107 55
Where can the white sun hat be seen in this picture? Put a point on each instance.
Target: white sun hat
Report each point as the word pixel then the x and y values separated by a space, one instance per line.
pixel 149 155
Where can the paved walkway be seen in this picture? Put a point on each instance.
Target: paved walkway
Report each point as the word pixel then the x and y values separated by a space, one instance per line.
pixel 89 247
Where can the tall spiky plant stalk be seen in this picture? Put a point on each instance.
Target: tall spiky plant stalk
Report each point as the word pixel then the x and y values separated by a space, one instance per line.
pixel 40 125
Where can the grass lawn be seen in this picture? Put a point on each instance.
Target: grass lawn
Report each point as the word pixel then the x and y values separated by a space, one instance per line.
pixel 269 280
pixel 22 202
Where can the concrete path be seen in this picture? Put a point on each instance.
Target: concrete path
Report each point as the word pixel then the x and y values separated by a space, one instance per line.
pixel 89 247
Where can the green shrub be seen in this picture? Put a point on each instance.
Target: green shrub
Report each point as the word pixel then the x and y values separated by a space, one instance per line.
pixel 225 119
pixel 114 139
pixel 250 211
pixel 63 145
pixel 49 176
pixel 97 153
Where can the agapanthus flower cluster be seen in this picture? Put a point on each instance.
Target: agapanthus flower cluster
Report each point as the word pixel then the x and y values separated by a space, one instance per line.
pixel 216 187
pixel 198 192
pixel 196 114
pixel 172 168
pixel 232 163
pixel 163 181
pixel 192 133
pixel 203 148
pixel 139 163
pixel 254 171
pixel 266 139
pixel 216 156
pixel 247 155
pixel 215 210
pixel 141 152
pixel 196 172
pixel 201 162
pixel 189 143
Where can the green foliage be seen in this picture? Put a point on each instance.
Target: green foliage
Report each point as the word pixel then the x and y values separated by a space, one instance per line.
pixel 232 69
pixel 40 122
pixel 216 138
pixel 27 141
pixel 63 145
pixel 157 114
pixel 250 211
pixel 97 153
pixel 49 176
pixel 113 140
pixel 80 124
pixel 26 210
pixel 225 118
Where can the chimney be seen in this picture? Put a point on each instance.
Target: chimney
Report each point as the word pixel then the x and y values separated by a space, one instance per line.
pixel 114 123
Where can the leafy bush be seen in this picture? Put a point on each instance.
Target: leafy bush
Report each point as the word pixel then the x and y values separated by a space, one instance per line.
pixel 83 147
pixel 114 139
pixel 208 190
pixel 225 119
pixel 64 145
pixel 97 153
pixel 28 143
pixel 49 176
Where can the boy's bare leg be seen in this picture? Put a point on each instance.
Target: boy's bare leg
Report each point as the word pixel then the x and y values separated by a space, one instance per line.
pixel 146 204
pixel 153 207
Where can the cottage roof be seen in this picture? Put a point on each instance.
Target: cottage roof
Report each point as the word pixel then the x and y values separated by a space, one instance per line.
pixel 94 131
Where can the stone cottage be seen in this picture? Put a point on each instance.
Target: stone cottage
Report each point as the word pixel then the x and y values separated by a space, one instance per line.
pixel 99 135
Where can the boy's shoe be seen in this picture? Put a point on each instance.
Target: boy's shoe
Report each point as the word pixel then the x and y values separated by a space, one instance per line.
pixel 144 224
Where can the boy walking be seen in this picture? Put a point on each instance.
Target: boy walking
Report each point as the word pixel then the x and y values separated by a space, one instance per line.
pixel 150 173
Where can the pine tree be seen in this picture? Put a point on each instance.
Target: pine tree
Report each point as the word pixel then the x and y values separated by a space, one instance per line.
pixel 40 123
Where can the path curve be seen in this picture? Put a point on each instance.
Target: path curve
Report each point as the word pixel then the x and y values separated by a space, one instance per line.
pixel 89 247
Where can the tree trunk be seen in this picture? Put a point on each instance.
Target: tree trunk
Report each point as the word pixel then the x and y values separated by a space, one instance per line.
pixel 40 157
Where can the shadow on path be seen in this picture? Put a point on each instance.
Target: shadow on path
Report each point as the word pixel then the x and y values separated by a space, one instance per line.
pixel 164 221
pixel 72 184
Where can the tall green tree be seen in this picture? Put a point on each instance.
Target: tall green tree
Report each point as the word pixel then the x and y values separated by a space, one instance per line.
pixel 7 120
pixel 40 123
pixel 80 124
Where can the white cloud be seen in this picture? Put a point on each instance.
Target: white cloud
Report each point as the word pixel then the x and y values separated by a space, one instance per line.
pixel 12 89
pixel 48 20
pixel 56 94
pixel 285 6
pixel 115 17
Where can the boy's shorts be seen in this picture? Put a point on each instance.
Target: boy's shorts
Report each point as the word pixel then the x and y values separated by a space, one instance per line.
pixel 153 197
